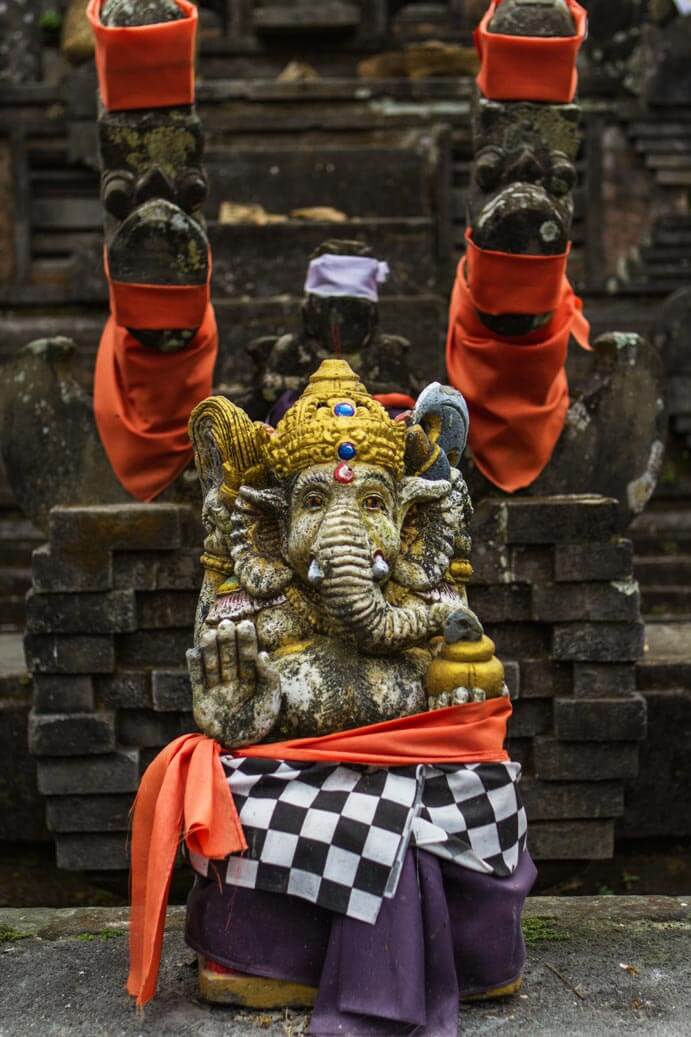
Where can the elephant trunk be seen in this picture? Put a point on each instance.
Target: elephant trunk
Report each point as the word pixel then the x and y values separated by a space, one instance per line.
pixel 348 584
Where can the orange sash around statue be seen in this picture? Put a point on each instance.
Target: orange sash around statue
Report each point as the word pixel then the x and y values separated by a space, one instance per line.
pixel 184 794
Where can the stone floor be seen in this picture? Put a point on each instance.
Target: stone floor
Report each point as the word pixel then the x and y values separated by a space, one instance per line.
pixel 597 965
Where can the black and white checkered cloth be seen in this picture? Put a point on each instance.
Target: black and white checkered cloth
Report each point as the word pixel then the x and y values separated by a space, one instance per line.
pixel 337 835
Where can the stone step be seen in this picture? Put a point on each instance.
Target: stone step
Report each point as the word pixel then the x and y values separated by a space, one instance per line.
pixel 663 674
pixel 14 580
pixel 668 640
pixel 658 571
pixel 666 599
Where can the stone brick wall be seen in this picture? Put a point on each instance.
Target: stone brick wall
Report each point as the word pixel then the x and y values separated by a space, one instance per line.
pixel 110 617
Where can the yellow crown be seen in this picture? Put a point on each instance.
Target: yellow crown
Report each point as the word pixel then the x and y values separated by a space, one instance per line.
pixel 335 421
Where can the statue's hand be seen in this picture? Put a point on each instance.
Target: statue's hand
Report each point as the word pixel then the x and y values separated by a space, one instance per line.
pixel 236 689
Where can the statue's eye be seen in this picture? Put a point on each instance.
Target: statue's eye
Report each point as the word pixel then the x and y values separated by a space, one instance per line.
pixel 313 502
pixel 374 503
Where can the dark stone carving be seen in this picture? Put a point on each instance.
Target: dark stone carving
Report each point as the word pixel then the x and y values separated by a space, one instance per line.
pixel 521 201
pixel 20 41
pixel 344 326
pixel 153 186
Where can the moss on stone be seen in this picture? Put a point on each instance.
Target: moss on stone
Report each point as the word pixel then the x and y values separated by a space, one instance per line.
pixel 10 935
pixel 539 929
pixel 104 936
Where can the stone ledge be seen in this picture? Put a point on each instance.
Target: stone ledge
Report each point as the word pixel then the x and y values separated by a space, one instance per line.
pixel 595 965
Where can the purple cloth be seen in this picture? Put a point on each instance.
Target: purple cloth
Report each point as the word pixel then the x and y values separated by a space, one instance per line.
pixel 355 276
pixel 448 931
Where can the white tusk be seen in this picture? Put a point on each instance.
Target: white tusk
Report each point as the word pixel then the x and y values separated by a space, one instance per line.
pixel 315 573
pixel 380 568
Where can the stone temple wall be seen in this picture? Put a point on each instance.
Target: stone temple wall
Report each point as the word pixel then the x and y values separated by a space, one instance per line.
pixel 110 617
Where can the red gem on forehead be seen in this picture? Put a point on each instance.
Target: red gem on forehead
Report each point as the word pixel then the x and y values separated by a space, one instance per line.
pixel 343 473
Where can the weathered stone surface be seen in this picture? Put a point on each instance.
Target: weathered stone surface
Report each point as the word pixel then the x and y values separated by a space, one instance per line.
pixel 7 213
pixel 572 840
pixel 657 802
pixel 171 690
pixel 556 801
pixel 533 18
pixel 606 561
pixel 121 13
pixel 613 601
pixel 53 572
pixel 592 679
pixel 126 689
pixel 115 772
pixel 50 445
pixel 600 719
pixel 543 678
pixel 561 519
pixel 153 648
pixel 71 734
pixel 584 761
pixel 129 527
pixel 597 642
pixel 112 612
pixel 502 603
pixel 101 813
pixel 21 806
pixel 20 42
pixel 143 728
pixel 159 610
pixel 531 717
pixel 519 640
pixel 60 693
pixel 162 571
pixel 65 960
pixel 92 851
pixel 63 653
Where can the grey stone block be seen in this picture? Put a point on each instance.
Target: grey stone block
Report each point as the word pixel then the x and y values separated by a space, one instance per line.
pixel 606 602
pixel 533 564
pixel 143 728
pixel 162 570
pixel 158 610
pixel 126 689
pixel 61 653
pixel 501 603
pixel 171 690
pixel 577 562
pixel 558 520
pixel 58 571
pixel 130 527
pixel 530 717
pixel 609 679
pixel 92 852
pixel 519 640
pixel 600 719
pixel 563 800
pixel 572 840
pixel 61 693
pixel 158 649
pixel 598 642
pixel 112 612
pixel 544 678
pixel 22 813
pixel 101 813
pixel 584 761
pixel 71 734
pixel 512 678
pixel 115 772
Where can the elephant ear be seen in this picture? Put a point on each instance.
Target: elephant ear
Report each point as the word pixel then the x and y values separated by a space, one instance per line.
pixel 257 538
pixel 227 447
pixel 427 533
pixel 441 418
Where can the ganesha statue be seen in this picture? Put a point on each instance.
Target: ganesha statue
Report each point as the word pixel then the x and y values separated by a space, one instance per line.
pixel 367 854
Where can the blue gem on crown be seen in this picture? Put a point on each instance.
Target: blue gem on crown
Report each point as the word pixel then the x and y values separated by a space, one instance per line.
pixel 347 451
pixel 344 410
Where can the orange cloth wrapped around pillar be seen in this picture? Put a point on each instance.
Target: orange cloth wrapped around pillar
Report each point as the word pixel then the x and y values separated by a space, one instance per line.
pixel 143 398
pixel 516 388
pixel 184 793
pixel 529 68
pixel 145 66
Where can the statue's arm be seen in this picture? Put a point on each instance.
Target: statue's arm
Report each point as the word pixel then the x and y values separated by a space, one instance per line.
pixel 236 690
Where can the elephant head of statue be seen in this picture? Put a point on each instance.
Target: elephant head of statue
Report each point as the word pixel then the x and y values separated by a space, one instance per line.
pixel 353 510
